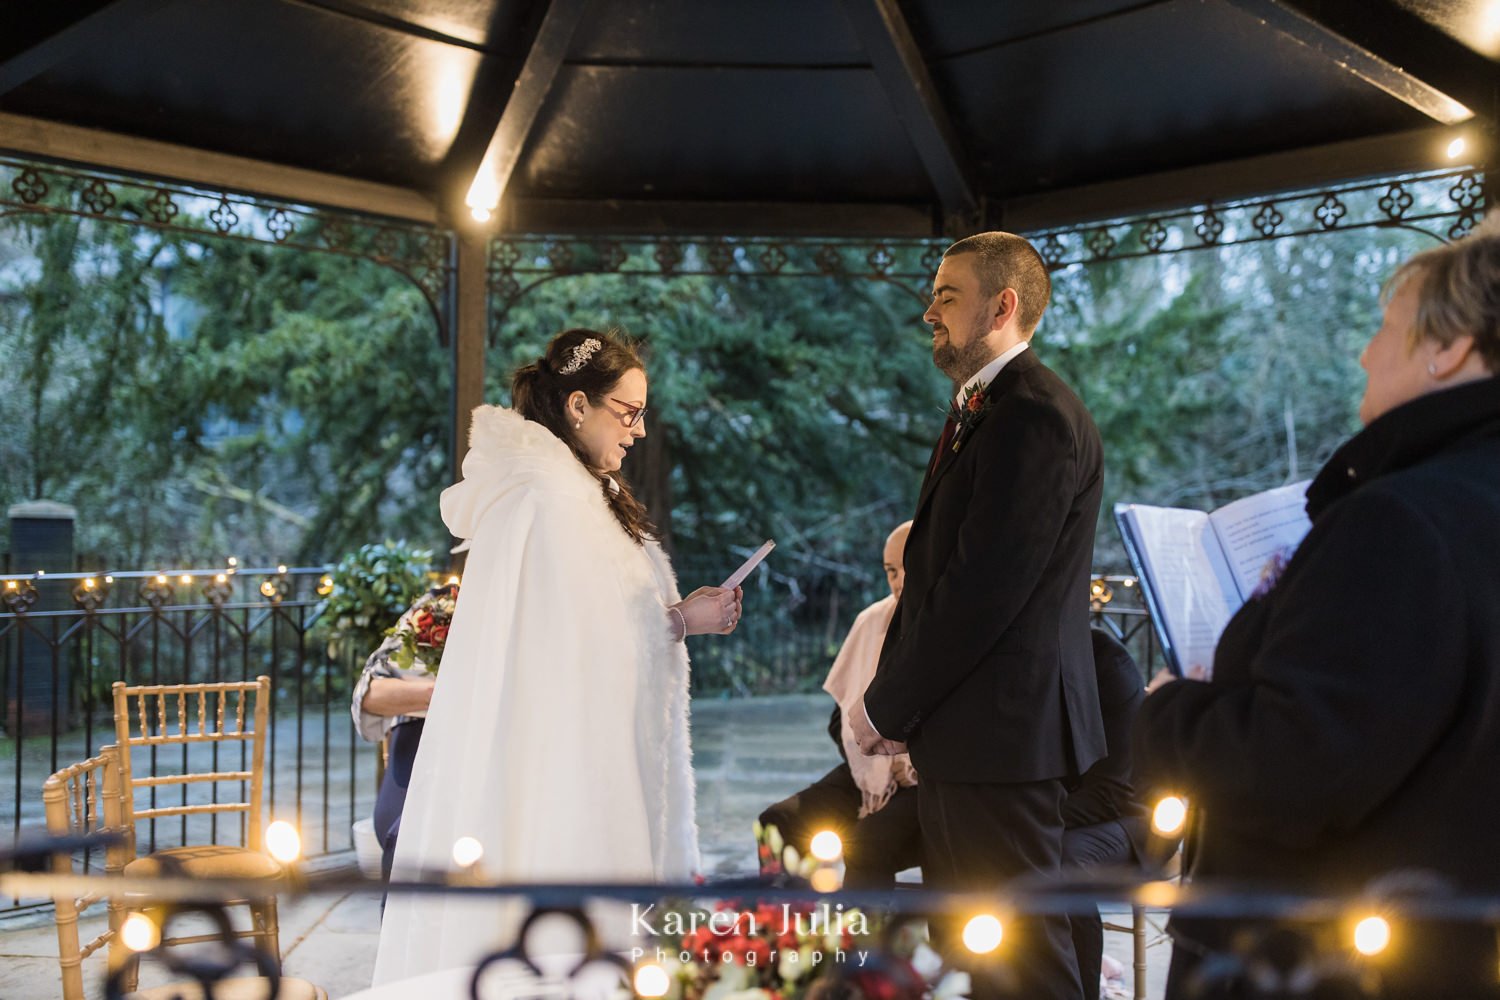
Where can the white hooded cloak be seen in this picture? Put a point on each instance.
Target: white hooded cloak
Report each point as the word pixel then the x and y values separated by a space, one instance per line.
pixel 558 731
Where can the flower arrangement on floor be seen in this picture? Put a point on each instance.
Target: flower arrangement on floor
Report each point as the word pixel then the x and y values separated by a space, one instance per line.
pixel 778 858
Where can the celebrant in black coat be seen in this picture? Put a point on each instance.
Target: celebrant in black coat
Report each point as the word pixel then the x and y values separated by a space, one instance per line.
pixel 1352 725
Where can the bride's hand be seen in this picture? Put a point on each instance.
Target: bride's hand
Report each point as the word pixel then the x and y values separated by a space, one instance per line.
pixel 712 610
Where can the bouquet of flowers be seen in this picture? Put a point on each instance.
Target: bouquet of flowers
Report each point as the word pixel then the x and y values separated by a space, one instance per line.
pixel 422 632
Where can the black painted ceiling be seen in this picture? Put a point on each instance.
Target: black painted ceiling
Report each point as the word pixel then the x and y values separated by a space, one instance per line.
pixel 747 102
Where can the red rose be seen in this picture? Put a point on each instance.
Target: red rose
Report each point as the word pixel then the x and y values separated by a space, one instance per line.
pixel 439 635
pixel 975 402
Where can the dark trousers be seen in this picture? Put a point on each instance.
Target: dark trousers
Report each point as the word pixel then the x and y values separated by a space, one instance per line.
pixel 875 847
pixel 389 801
pixel 1102 845
pixel 983 836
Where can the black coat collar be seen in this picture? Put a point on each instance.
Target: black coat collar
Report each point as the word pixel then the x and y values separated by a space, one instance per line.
pixel 1406 435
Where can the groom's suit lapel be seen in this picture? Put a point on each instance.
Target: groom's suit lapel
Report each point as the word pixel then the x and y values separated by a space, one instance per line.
pixel 1003 384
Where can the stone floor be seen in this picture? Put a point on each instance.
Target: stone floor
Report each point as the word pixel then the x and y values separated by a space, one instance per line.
pixel 748 753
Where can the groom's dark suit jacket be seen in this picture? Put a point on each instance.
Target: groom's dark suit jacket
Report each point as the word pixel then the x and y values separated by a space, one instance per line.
pixel 987 670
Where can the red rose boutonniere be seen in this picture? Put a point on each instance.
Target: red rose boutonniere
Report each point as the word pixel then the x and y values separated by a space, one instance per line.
pixel 967 415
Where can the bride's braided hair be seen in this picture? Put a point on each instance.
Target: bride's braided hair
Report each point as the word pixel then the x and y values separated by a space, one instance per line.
pixel 539 392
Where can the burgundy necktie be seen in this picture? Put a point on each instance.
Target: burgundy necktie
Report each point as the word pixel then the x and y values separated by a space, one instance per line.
pixel 949 427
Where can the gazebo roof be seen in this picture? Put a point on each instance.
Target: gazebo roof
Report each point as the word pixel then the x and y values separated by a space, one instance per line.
pixel 834 117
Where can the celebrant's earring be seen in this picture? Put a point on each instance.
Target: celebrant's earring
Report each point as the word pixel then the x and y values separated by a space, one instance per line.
pixel 1431 368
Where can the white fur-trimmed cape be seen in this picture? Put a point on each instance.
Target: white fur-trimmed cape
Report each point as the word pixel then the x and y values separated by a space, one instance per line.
pixel 558 731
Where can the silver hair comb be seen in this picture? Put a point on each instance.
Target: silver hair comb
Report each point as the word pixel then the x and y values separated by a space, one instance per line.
pixel 579 356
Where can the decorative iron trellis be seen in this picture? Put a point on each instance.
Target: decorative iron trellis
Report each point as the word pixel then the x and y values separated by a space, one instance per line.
pixel 1443 204
pixel 418 253
pixel 518 264
pixel 1450 202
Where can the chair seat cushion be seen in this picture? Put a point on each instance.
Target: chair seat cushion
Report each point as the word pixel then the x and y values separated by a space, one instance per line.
pixel 233 989
pixel 206 861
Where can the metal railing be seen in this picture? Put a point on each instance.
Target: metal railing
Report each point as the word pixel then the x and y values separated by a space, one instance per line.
pixel 66 638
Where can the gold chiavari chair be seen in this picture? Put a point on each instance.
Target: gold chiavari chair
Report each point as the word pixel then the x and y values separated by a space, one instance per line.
pixel 188 715
pixel 86 798
pixel 78 800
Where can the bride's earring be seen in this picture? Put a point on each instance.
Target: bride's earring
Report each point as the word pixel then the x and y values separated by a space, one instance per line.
pixel 578 424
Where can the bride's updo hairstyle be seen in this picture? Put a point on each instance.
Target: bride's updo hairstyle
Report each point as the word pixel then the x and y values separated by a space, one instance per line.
pixel 540 390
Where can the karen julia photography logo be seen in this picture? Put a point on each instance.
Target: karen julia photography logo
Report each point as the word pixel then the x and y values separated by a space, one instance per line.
pixel 790 933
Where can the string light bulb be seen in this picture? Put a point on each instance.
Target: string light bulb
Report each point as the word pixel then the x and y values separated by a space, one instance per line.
pixel 651 980
pixel 983 934
pixel 1169 816
pixel 453 580
pixel 281 568
pixel 161 578
pixel 90 583
pixel 283 841
pixel 826 847
pixel 467 851
pixel 139 933
pixel 1372 935
pixel 186 578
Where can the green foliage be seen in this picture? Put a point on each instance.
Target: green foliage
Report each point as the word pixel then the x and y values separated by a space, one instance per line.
pixel 196 398
pixel 372 586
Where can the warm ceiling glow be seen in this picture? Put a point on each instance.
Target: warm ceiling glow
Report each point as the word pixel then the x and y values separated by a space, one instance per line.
pixel 480 214
pixel 1456 148
pixel 1489 28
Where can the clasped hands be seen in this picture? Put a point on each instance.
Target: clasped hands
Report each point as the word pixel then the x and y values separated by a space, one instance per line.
pixel 868 739
pixel 712 610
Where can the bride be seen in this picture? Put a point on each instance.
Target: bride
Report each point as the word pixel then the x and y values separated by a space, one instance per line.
pixel 557 736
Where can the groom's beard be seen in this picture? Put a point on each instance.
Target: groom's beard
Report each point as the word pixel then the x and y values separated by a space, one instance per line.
pixel 959 363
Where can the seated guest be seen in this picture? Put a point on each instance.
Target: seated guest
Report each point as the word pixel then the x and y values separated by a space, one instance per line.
pixel 390 703
pixel 1352 724
pixel 870 802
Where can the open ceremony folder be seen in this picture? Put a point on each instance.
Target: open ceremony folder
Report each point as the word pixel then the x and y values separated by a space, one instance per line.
pixel 738 576
pixel 1196 569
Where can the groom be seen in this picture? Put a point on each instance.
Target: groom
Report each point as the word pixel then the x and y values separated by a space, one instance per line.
pixel 987 672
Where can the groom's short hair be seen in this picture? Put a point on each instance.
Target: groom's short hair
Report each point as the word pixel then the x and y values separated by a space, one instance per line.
pixel 1005 260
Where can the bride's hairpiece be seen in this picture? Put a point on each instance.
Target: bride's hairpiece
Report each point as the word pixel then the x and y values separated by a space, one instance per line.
pixel 579 356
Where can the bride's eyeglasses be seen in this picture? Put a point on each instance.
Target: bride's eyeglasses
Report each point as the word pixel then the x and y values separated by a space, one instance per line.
pixel 633 414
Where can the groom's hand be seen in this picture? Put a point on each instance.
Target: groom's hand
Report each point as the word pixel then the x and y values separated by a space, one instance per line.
pixel 868 739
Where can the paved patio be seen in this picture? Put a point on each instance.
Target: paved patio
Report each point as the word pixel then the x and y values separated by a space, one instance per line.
pixel 748 753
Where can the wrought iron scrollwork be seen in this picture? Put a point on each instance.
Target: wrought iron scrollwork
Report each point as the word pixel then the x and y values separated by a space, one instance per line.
pixel 1455 198
pixel 417 253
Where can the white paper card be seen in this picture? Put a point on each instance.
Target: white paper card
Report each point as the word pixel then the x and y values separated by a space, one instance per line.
pixel 738 576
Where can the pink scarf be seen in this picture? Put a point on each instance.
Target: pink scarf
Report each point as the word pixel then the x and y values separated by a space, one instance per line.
pixel 877 777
